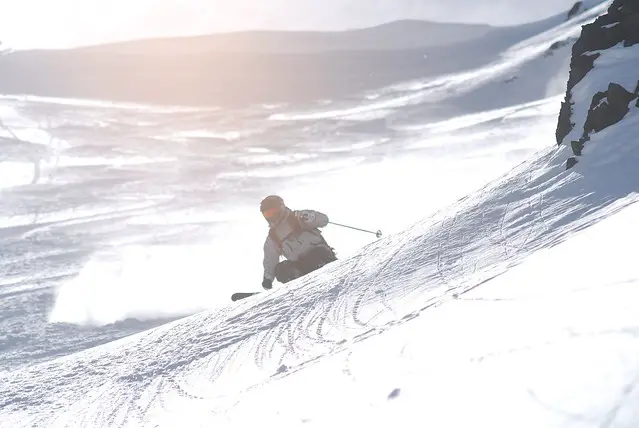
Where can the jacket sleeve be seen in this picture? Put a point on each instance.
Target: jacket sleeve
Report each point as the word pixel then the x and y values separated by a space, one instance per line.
pixel 311 219
pixel 271 258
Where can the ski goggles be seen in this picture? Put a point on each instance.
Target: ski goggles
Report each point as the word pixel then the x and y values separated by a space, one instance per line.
pixel 271 212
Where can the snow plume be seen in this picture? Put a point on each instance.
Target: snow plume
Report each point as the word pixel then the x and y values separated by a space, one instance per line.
pixel 135 282
pixel 144 281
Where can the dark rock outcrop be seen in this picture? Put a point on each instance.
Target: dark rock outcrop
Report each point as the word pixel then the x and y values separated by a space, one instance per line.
pixel 564 124
pixel 574 9
pixel 607 108
pixel 618 27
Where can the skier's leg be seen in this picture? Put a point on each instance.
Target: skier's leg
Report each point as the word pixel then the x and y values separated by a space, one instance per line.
pixel 286 271
pixel 315 259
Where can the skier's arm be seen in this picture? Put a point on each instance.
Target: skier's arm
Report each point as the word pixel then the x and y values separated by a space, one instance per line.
pixel 311 219
pixel 271 259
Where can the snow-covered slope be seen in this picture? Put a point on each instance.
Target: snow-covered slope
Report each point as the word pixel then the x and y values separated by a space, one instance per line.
pixel 533 65
pixel 513 307
pixel 511 352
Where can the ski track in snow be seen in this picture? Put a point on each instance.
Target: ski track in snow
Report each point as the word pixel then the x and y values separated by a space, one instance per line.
pixel 217 358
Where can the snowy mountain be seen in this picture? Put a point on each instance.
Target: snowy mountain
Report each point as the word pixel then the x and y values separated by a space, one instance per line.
pixel 502 294
pixel 396 35
pixel 245 68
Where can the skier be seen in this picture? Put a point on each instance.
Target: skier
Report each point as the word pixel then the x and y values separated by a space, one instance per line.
pixel 296 236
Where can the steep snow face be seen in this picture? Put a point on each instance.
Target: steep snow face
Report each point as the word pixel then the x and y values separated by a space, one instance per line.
pixel 604 76
pixel 452 310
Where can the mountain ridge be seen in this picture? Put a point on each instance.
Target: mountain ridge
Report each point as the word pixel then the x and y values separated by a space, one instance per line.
pixel 411 34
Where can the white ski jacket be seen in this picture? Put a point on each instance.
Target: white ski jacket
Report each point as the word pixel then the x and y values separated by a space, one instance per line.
pixel 293 246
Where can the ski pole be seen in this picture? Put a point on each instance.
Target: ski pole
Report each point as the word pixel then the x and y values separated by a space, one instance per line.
pixel 377 234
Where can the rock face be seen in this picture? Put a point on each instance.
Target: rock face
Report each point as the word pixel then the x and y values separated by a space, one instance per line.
pixel 607 108
pixel 604 76
pixel 574 9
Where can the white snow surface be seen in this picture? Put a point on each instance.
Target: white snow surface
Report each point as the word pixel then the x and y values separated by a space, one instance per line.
pixel 503 292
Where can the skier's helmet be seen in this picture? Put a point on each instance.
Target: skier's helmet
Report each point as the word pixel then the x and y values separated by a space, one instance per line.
pixel 272 208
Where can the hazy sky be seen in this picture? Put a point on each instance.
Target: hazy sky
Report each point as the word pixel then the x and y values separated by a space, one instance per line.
pixel 63 23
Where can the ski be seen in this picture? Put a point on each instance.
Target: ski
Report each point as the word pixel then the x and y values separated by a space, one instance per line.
pixel 238 296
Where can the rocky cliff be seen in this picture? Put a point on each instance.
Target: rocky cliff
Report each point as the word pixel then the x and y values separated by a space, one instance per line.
pixel 603 84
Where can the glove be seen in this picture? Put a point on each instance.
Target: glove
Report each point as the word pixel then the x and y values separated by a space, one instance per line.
pixel 267 284
pixel 304 217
